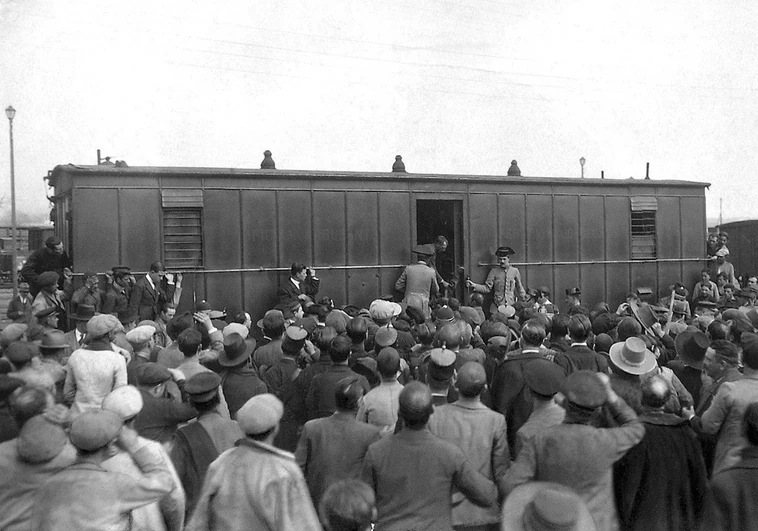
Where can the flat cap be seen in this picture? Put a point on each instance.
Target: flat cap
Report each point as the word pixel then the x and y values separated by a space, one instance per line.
pixel 471 316
pixel 48 278
pixel 23 286
pixel 584 389
pixel 260 414
pixel 139 335
pixel 125 401
pixel 12 332
pixel 203 386
pixel 338 320
pixel 40 440
pixel 471 377
pixel 383 310
pixel 544 377
pixel 101 325
pixel 385 337
pixel 236 328
pixel 47 311
pixel 18 352
pixel 152 374
pixel 424 250
pixel 148 322
pixel 94 429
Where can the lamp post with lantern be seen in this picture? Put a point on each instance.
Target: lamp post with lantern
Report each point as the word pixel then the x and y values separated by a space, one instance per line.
pixel 581 163
pixel 10 112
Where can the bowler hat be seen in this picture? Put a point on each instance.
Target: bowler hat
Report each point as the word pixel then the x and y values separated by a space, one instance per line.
pixel 585 389
pixel 203 386
pixel 544 377
pixel 691 346
pixel 632 356
pixel 502 252
pixel 236 351
pixel 424 250
pixel 94 429
pixel 260 414
pixel 48 278
pixel 544 506
pixel 84 312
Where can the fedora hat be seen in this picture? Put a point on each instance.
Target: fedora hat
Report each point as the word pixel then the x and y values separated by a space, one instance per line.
pixel 632 356
pixel 545 506
pixel 53 340
pixel 236 351
pixel 84 312
pixel 644 314
pixel 691 346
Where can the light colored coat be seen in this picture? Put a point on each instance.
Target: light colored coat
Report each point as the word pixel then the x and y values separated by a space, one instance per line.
pixel 419 282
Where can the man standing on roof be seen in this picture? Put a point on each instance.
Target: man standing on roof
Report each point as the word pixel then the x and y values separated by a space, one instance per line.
pixel 504 281
pixel 419 281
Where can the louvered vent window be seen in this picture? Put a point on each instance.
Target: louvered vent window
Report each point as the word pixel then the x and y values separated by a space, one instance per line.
pixel 183 229
pixel 643 213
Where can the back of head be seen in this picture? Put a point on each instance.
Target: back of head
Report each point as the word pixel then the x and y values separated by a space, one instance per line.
pixel 449 336
pixel 348 393
pixel 750 350
pixel 178 324
pixel 27 402
pixel 347 505
pixel 718 329
pixel 543 319
pixel 273 323
pixel 415 405
pixel 426 332
pixel 655 392
pixel 726 351
pixel 357 329
pixel 471 380
pixel 628 327
pixel 189 342
pixel 579 327
pixel 388 362
pixel 340 349
pixel 560 326
pixel 323 338
pixel 750 423
pixel 532 333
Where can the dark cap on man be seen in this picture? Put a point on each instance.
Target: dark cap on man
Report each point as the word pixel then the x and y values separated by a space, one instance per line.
pixel 94 429
pixel 504 251
pixel 471 379
pixel 441 363
pixel 203 386
pixel 48 278
pixel 150 373
pixel 585 389
pixel 543 377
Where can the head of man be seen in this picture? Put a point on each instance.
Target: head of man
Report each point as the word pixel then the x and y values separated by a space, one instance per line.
pixel 440 244
pixel 48 317
pixel 298 272
pixel 655 393
pixel 415 405
pixel 94 432
pixel 532 334
pixel 348 394
pixel 141 338
pixel 579 328
pixel 705 276
pixel 388 363
pixel 348 505
pixel 721 356
pixel 27 402
pixel 54 245
pixel 157 272
pixel 340 349
pixel 189 342
pixel 259 417
pixel 750 352
pixel 713 239
pixel 752 282
pixel 471 379
pixel 102 328
pixel 168 311
pixel 152 378
pixel 723 238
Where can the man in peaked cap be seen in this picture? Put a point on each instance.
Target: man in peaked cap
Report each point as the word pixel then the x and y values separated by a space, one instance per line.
pixel 142 341
pixel 281 374
pixel 26 463
pixel 480 433
pixel 198 444
pixel 430 468
pixel 20 307
pixel 159 417
pixel 418 281
pixel 96 370
pixel 85 496
pixel 440 375
pixel 544 379
pixel 577 455
pixel 503 281
pixel 278 499
pixel 166 514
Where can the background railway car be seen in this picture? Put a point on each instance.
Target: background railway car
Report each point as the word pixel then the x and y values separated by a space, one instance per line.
pixel 743 245
pixel 237 231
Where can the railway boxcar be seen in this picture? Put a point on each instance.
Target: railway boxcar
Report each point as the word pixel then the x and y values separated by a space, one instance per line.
pixel 235 232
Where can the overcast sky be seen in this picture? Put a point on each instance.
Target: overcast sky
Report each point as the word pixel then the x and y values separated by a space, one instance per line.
pixel 459 86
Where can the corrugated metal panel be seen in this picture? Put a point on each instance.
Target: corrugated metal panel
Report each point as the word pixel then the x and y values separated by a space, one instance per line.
pixel 259 229
pixel 362 213
pixel 183 238
pixel 295 222
pixel 329 242
pixel 182 198
pixel 566 244
pixel 483 241
pixel 139 209
pixel 643 203
pixel 617 247
pixel 221 229
pixel 394 235
pixel 96 221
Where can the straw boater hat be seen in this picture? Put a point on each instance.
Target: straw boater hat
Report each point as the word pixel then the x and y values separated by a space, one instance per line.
pixel 632 356
pixel 545 506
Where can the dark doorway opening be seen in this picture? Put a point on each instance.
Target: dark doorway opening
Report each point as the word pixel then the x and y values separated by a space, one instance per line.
pixel 442 217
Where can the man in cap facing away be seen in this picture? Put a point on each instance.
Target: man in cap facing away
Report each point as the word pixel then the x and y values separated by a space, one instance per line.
pixel 167 514
pixel 160 415
pixel 85 496
pixel 413 471
pixel 255 485
pixel 96 370
pixel 332 448
pixel 26 463
pixel 418 281
pixel 198 444
pixel 578 455
pixel 503 281
pixel 480 433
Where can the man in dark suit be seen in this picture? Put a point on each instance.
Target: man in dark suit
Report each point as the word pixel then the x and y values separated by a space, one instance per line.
pixel 150 292
pixel 579 357
pixel 51 257
pixel 301 286
pixel 413 471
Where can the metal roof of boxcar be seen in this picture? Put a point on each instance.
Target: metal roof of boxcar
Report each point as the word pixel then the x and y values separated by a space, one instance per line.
pixel 136 171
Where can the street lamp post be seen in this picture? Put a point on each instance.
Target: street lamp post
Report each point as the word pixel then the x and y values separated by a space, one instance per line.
pixel 581 162
pixel 10 112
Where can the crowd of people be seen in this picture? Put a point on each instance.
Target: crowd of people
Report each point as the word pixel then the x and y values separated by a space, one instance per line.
pixel 415 413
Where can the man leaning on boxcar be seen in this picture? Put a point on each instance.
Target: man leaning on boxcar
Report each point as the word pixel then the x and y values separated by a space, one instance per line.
pixel 51 257
pixel 301 286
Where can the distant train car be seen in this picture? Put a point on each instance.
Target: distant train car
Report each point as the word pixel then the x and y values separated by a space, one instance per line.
pixel 237 231
pixel 743 245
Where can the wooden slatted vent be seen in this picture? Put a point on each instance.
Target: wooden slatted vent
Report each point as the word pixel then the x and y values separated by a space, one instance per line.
pixel 182 228
pixel 643 212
